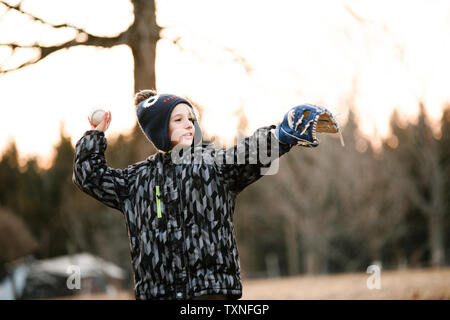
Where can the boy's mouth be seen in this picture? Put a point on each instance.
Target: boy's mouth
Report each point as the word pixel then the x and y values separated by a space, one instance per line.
pixel 189 134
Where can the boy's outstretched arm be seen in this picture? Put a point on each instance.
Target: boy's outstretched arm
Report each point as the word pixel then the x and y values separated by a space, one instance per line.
pixel 251 158
pixel 92 175
pixel 90 171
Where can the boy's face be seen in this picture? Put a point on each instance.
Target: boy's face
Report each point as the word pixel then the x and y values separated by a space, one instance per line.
pixel 181 126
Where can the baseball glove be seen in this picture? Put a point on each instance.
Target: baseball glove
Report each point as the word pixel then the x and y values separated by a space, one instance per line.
pixel 301 124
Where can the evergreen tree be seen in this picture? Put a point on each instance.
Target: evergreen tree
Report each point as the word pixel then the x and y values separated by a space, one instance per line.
pixel 444 151
pixel 9 177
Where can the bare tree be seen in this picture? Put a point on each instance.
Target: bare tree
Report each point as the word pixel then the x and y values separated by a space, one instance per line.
pixel 141 36
pixel 420 156
pixel 330 193
pixel 429 193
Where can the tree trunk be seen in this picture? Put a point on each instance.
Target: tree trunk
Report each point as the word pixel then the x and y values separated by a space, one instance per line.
pixel 436 239
pixel 311 262
pixel 144 35
pixel 436 215
pixel 292 247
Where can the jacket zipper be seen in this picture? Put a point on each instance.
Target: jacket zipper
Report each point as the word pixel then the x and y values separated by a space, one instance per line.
pixel 158 202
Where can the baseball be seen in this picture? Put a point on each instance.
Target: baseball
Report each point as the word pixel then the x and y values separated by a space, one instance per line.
pixel 96 116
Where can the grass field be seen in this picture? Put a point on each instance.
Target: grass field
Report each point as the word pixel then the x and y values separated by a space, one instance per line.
pixel 403 284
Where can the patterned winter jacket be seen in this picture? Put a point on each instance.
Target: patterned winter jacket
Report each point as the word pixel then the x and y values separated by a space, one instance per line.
pixel 179 216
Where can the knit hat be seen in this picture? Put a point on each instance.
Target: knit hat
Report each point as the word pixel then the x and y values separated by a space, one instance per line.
pixel 153 116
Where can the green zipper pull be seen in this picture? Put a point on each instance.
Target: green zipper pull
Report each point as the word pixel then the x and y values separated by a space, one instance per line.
pixel 158 202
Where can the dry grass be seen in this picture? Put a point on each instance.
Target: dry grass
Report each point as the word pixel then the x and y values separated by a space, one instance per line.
pixel 395 285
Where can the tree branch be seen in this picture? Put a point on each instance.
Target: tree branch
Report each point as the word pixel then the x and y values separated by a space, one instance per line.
pixel 354 15
pixel 81 38
pixel 235 56
pixel 381 26
pixel 90 40
pixel 18 8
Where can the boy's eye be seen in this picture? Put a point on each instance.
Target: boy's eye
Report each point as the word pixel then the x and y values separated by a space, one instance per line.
pixel 179 119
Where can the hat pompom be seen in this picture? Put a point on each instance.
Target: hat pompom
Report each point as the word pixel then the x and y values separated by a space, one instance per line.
pixel 143 95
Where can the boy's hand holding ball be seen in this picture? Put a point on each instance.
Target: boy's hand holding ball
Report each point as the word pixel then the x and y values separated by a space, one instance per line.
pixel 99 119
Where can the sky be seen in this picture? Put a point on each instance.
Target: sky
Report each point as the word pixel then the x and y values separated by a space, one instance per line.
pixel 372 55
